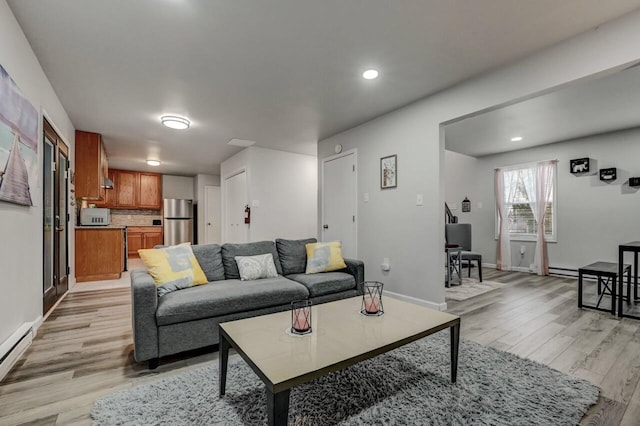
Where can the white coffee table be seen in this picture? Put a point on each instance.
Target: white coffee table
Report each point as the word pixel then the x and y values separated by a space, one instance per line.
pixel 341 337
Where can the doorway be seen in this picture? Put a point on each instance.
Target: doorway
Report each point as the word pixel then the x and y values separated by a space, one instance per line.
pixel 339 202
pixel 56 217
pixel 235 201
pixel 212 212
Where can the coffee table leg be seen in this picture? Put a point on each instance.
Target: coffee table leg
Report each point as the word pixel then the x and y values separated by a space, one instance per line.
pixel 278 407
pixel 223 360
pixel 455 344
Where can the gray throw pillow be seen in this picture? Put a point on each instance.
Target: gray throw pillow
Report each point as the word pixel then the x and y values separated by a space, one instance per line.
pixel 256 267
pixel 293 255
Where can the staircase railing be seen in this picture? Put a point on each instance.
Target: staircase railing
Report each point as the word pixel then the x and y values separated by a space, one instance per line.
pixel 449 217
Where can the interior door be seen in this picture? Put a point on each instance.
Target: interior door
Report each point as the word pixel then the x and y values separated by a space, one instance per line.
pixel 236 231
pixel 339 197
pixel 56 218
pixel 212 214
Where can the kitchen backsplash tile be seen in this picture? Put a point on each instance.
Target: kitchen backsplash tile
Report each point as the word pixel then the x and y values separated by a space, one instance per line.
pixel 134 217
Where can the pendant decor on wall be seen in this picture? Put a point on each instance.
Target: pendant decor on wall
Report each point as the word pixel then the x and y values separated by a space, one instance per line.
pixel 18 144
pixel 579 166
pixel 608 175
pixel 466 205
pixel 389 172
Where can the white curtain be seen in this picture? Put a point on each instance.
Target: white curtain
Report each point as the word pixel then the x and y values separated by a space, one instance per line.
pixel 503 255
pixel 539 181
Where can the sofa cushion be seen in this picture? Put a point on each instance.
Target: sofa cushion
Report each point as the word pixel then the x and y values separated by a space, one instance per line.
pixel 293 255
pixel 325 283
pixel 256 267
pixel 324 257
pixel 173 268
pixel 209 257
pixel 227 297
pixel 230 251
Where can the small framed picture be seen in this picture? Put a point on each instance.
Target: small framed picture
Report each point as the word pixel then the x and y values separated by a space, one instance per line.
pixel 579 166
pixel 389 172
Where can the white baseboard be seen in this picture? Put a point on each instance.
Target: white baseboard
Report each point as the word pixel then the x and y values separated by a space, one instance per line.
pixel 415 300
pixel 15 346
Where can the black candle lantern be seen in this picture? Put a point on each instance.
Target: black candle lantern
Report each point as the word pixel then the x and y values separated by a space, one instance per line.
pixel 372 299
pixel 301 317
pixel 466 205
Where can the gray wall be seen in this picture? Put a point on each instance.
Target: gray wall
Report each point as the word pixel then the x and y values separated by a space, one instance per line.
pixel 593 217
pixel 177 187
pixel 20 226
pixel 412 237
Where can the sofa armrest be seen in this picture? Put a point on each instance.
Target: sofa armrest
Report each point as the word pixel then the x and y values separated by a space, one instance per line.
pixel 144 303
pixel 356 268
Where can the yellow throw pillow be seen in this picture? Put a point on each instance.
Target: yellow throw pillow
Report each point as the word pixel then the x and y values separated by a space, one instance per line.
pixel 173 268
pixel 324 257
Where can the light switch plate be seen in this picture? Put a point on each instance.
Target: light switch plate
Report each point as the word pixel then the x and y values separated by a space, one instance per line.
pixel 419 200
pixel 365 197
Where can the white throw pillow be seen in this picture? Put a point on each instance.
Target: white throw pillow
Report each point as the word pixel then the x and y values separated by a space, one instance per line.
pixel 256 267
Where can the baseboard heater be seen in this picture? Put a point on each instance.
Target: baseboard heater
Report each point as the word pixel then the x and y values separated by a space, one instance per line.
pixel 565 272
pixel 14 347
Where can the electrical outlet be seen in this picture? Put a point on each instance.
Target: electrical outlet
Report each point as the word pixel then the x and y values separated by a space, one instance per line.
pixel 522 250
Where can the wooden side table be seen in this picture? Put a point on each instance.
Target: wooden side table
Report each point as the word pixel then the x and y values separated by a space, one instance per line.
pixel 633 247
pixel 607 275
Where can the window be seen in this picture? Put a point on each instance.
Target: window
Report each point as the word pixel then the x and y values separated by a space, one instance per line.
pixel 519 198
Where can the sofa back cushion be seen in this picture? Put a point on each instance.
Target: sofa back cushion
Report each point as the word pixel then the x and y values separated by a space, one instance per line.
pixel 293 255
pixel 209 257
pixel 230 251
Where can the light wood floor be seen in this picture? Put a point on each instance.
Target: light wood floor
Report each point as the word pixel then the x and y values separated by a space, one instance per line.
pixel 83 350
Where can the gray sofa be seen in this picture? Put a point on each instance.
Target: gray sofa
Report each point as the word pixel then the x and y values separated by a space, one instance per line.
pixel 188 319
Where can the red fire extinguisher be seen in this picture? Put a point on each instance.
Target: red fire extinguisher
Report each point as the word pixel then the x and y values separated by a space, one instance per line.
pixel 247 214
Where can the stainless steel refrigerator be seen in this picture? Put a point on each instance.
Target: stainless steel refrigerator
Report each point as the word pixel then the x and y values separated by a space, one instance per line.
pixel 178 221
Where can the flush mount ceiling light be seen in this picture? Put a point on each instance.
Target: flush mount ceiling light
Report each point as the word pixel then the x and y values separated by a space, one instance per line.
pixel 175 122
pixel 153 163
pixel 370 74
pixel 516 139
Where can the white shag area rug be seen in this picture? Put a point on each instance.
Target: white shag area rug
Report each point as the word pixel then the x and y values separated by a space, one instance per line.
pixel 471 287
pixel 410 385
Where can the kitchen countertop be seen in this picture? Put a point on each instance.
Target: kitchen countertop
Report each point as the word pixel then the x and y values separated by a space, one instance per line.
pixel 100 227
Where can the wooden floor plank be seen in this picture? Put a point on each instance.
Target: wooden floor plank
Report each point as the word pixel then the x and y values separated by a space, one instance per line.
pixel 83 350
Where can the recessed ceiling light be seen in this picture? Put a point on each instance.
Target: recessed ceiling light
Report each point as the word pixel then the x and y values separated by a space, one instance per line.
pixel 175 122
pixel 370 74
pixel 241 142
pixel 516 139
pixel 153 163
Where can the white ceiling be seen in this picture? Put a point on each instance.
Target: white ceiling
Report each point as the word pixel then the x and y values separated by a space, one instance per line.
pixel 590 107
pixel 284 73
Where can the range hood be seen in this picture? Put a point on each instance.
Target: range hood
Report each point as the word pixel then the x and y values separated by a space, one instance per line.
pixel 108 183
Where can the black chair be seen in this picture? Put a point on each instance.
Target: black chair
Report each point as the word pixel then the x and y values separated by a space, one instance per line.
pixel 460 234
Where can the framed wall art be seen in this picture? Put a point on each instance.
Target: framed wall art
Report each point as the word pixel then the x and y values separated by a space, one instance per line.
pixel 389 172
pixel 18 144
pixel 579 166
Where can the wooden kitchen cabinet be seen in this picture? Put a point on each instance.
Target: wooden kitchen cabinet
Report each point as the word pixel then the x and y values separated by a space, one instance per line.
pixel 135 190
pixel 110 193
pixel 99 253
pixel 143 237
pixel 150 191
pixel 127 189
pixel 91 166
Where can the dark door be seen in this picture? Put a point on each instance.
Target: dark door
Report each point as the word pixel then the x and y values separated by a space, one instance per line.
pixel 56 218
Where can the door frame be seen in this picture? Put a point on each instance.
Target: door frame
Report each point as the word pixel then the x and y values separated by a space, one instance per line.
pixel 206 212
pixel 60 144
pixel 223 200
pixel 325 160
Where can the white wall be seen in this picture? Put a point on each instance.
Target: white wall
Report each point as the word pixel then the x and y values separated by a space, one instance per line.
pixel 593 217
pixel 180 187
pixel 21 227
pixel 282 190
pixel 199 182
pixel 390 224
